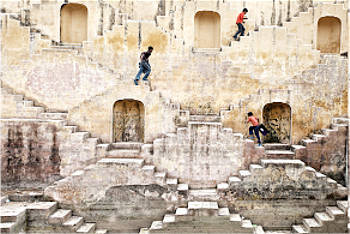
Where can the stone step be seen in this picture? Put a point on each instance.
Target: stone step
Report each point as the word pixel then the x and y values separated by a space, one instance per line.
pixel 310 224
pixel 282 162
pixel 205 118
pixel 222 187
pixel 182 187
pixel 322 217
pixel 318 137
pixel 121 161
pixel 334 211
pixel 7 227
pixel 26 196
pixel 87 228
pixel 343 205
pixel 306 142
pixel 224 212
pixel 276 146
pixel 328 131
pixel 11 215
pixel 297 147
pixel 60 216
pixel 14 97
pixel 284 154
pixel 71 129
pixel 156 225
pixel 203 194
pixel 101 231
pixel 234 181
pixel 74 223
pixel 149 169
pixel 235 218
pixel 169 218
pixel 160 177
pixel 123 153
pixel 25 103
pixel 244 173
pixel 196 205
pixel 299 229
pixel 340 120
pixel 255 168
pixel 49 115
pixel 41 209
pixel 171 181
pixel 259 230
pixel 79 136
pixel 126 145
pixel 246 223
pixel 181 211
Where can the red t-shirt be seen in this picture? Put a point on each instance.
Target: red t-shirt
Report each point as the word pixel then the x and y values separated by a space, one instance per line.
pixel 253 120
pixel 240 18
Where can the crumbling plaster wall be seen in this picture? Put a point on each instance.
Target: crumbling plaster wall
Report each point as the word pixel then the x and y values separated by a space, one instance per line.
pixel 29 152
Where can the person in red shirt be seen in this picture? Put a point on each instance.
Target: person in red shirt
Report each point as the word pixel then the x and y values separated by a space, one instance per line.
pixel 240 22
pixel 256 127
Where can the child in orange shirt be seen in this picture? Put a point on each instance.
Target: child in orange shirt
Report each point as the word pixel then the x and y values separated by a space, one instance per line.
pixel 256 127
pixel 239 22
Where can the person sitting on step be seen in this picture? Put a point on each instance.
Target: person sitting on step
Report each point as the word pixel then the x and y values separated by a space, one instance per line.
pixel 144 65
pixel 256 127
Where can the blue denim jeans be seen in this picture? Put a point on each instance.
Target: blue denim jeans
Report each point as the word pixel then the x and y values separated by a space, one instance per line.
pixel 256 130
pixel 241 30
pixel 144 68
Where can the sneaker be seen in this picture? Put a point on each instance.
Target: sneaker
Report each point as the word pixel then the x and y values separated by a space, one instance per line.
pixel 135 82
pixel 251 138
pixel 259 144
pixel 145 79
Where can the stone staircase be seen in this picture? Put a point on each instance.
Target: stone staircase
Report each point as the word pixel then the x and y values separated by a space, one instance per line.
pixel 282 173
pixel 201 216
pixel 333 220
pixel 35 216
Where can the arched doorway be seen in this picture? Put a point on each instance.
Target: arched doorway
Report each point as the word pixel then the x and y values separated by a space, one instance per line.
pixel 328 35
pixel 207 29
pixel 73 23
pixel 128 121
pixel 277 119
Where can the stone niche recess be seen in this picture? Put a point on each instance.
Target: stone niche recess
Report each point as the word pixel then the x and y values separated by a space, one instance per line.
pixel 128 121
pixel 207 29
pixel 328 35
pixel 277 119
pixel 74 23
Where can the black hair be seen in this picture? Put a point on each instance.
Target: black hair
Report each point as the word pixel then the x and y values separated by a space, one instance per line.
pixel 150 48
pixel 250 114
pixel 245 10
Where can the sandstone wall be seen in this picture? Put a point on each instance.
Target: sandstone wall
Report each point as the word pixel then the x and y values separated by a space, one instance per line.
pixel 29 152
pixel 270 63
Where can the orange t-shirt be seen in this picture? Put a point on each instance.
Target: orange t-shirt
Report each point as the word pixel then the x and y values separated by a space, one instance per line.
pixel 253 120
pixel 240 18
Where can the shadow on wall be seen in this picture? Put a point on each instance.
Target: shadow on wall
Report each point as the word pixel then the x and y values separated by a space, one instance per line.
pixel 128 121
pixel 277 119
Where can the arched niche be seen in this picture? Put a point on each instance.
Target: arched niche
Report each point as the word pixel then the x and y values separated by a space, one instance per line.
pixel 207 29
pixel 277 119
pixel 74 23
pixel 328 35
pixel 128 121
